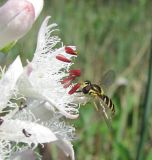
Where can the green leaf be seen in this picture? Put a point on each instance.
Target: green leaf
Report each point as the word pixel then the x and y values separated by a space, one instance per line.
pixel 7 48
pixel 123 152
pixel 149 157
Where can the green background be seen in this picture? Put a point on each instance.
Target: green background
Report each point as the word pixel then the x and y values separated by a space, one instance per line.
pixel 109 34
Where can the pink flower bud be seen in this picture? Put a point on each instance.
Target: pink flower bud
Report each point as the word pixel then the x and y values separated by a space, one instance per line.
pixel 16 19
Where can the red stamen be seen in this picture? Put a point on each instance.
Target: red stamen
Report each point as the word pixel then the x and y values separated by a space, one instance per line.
pixel 69 50
pixel 74 88
pixel 63 58
pixel 75 72
pixel 67 79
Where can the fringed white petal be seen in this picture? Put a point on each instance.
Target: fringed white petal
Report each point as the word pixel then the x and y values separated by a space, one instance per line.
pixel 8 82
pixel 40 110
pixel 53 121
pixel 68 111
pixel 45 41
pixel 42 77
pixel 30 91
pixel 49 71
pixel 38 85
pixel 26 88
pixel 27 132
pixel 5 149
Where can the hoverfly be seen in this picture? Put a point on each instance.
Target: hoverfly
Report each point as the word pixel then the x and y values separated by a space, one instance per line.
pixel 101 101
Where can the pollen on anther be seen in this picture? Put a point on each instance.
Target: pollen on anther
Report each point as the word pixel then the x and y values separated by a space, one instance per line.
pixel 62 58
pixel 69 50
pixel 74 88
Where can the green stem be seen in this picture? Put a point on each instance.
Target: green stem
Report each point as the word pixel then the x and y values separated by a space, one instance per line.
pixel 146 112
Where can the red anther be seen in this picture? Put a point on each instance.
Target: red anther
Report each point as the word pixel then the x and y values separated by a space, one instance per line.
pixel 69 50
pixel 67 79
pixel 75 72
pixel 63 58
pixel 74 88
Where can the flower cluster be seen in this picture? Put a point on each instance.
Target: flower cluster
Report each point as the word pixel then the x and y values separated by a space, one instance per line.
pixel 35 98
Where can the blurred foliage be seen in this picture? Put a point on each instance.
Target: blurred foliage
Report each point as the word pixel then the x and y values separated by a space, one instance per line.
pixel 109 34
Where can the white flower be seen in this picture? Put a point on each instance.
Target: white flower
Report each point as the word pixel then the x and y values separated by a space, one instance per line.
pixel 16 19
pixel 64 133
pixel 19 125
pixel 15 129
pixel 48 76
pixel 24 127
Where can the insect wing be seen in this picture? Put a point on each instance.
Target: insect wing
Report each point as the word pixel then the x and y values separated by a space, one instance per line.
pixel 105 111
pixel 108 78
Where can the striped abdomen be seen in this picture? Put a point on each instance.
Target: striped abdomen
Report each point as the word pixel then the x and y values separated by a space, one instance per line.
pixel 108 102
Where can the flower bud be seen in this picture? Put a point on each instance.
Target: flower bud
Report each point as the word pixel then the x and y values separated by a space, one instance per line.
pixel 16 19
